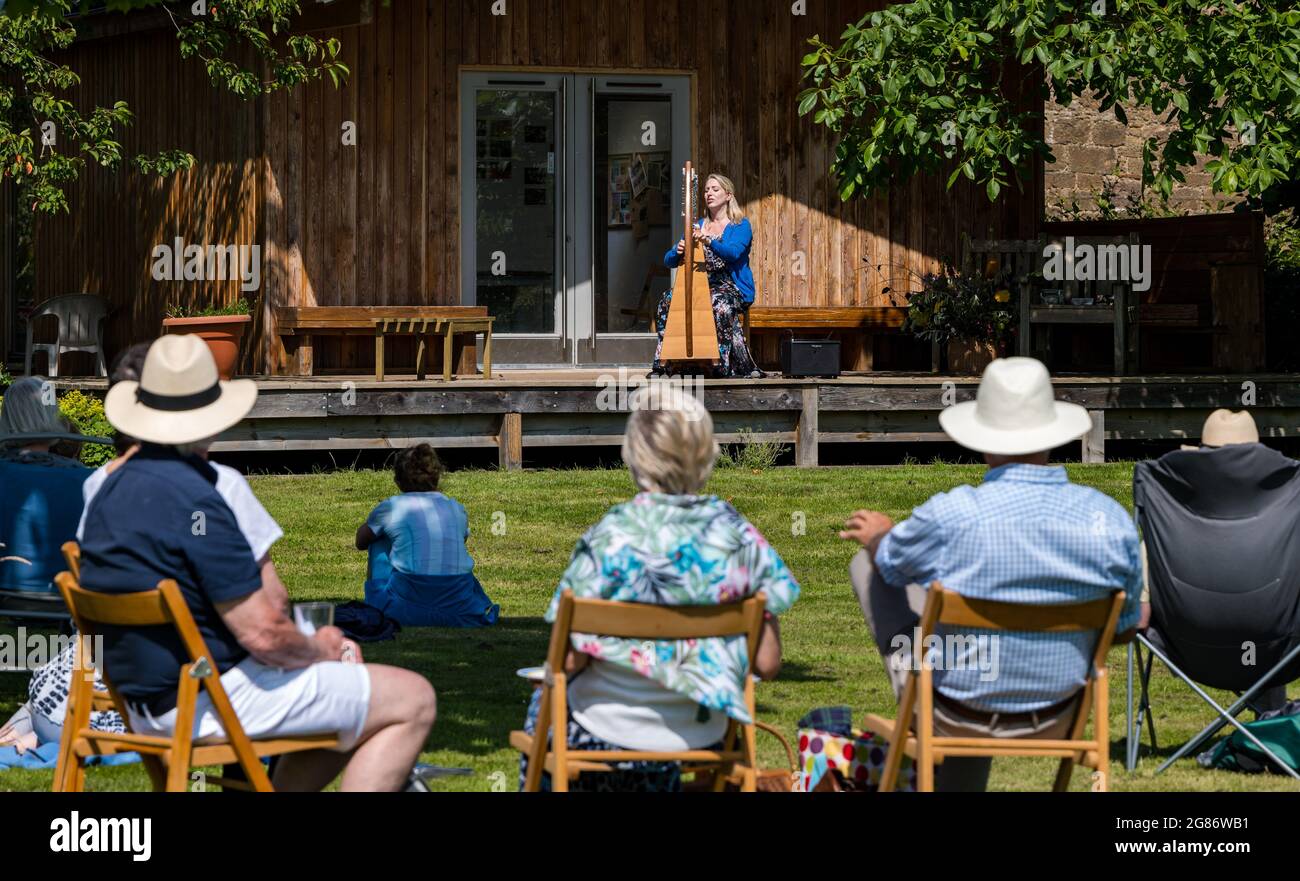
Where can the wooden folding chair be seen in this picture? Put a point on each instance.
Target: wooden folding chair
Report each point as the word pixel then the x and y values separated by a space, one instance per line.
pixel 945 607
pixel 637 621
pixel 168 760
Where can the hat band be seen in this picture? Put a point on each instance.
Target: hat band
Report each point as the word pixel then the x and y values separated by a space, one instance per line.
pixel 177 403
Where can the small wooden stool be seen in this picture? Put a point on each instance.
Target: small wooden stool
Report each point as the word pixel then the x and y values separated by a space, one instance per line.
pixel 467 325
pixel 422 328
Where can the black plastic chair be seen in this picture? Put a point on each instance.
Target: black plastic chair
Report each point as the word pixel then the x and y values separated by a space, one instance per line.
pixel 81 329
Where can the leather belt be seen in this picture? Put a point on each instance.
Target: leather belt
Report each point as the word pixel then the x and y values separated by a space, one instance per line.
pixel 962 711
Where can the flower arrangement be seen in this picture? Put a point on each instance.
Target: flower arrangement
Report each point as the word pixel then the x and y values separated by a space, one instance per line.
pixel 953 305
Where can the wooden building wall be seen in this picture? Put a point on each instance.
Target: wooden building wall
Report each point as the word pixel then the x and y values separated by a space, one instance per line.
pixel 104 243
pixel 379 223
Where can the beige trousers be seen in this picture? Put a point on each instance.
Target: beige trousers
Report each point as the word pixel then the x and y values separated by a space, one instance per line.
pixel 890 612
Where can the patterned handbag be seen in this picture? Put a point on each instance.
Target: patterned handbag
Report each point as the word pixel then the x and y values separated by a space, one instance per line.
pixel 836 757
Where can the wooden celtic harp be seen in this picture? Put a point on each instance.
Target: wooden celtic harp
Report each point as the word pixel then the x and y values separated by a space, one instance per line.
pixel 690 334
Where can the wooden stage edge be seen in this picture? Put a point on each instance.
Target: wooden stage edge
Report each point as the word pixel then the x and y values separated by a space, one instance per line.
pixel 559 408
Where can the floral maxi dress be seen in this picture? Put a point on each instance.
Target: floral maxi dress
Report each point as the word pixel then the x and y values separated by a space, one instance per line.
pixel 728 314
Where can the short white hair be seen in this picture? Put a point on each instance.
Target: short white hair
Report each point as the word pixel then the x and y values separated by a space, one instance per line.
pixel 30 408
pixel 669 445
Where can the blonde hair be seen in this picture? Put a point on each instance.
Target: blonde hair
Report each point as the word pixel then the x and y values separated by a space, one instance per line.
pixel 735 214
pixel 669 446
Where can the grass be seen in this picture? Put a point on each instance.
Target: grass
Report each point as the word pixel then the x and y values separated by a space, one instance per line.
pixel 829 658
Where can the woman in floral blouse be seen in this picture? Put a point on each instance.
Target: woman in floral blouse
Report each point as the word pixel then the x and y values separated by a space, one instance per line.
pixel 670 545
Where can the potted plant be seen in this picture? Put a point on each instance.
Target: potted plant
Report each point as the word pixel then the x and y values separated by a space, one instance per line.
pixel 972 315
pixel 221 327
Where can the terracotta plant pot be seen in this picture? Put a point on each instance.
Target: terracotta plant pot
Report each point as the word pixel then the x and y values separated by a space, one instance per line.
pixel 222 333
pixel 970 357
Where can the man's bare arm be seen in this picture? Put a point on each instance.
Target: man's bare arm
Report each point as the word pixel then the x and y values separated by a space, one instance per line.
pixel 273 586
pixel 271 637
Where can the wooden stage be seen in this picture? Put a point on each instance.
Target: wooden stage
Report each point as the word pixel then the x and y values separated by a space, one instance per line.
pixel 562 408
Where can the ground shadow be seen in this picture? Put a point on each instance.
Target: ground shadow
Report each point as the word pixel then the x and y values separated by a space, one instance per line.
pixel 480 698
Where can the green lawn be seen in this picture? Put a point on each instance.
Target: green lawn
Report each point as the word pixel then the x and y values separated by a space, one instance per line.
pixel 829 658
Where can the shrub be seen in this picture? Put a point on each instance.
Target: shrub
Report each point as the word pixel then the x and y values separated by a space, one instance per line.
pixel 180 310
pixel 750 454
pixel 954 305
pixel 87 414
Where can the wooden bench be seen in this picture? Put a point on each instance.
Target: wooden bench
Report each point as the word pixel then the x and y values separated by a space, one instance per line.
pixel 856 325
pixel 453 323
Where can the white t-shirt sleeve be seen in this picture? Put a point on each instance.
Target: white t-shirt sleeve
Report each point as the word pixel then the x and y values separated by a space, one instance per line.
pixel 259 527
pixel 88 490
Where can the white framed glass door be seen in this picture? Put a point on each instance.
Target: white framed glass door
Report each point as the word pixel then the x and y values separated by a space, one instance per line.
pixel 570 188
pixel 638 135
pixel 512 187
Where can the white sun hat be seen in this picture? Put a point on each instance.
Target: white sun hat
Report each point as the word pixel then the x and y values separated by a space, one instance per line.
pixel 1015 412
pixel 1223 427
pixel 180 398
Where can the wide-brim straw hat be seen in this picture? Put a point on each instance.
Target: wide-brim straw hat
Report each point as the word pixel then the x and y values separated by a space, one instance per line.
pixel 1223 427
pixel 180 399
pixel 1015 412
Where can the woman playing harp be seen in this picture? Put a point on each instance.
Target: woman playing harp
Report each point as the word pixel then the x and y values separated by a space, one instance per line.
pixel 726 236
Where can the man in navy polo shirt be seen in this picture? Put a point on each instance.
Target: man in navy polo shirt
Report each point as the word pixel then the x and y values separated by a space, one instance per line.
pixel 158 515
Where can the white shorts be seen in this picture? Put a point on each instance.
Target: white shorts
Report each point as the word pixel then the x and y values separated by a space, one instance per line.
pixel 329 697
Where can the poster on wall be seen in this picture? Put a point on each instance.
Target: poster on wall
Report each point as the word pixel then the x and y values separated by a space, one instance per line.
pixel 638 180
pixel 620 209
pixel 637 177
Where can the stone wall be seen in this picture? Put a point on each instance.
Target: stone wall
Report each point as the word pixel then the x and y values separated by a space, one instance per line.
pixel 1095 150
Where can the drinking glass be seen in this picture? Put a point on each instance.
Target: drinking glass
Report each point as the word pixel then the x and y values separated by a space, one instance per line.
pixel 311 617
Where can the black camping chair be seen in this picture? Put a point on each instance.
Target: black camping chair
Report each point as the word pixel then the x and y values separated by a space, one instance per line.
pixel 1222 534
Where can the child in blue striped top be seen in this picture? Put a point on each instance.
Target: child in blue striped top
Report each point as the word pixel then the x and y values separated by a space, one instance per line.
pixel 420 572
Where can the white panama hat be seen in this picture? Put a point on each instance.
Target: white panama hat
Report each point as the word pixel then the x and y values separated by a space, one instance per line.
pixel 1015 412
pixel 1224 427
pixel 179 399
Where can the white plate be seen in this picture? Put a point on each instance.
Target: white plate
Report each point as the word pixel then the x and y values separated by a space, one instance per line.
pixel 532 674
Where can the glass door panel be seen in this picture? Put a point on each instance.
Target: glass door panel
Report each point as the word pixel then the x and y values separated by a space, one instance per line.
pixel 639 138
pixel 512 258
pixel 569 195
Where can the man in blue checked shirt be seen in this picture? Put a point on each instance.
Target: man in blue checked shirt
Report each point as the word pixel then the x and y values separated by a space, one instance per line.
pixel 1025 535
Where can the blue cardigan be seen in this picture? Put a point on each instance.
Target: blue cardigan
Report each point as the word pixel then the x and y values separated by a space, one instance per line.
pixel 733 247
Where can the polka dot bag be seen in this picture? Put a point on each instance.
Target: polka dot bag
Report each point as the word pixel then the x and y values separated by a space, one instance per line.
pixel 854 759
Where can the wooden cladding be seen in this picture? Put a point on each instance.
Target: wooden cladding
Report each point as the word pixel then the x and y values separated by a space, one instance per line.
pixel 378 222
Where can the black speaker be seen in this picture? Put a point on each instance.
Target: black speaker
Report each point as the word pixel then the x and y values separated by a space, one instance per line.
pixel 810 357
